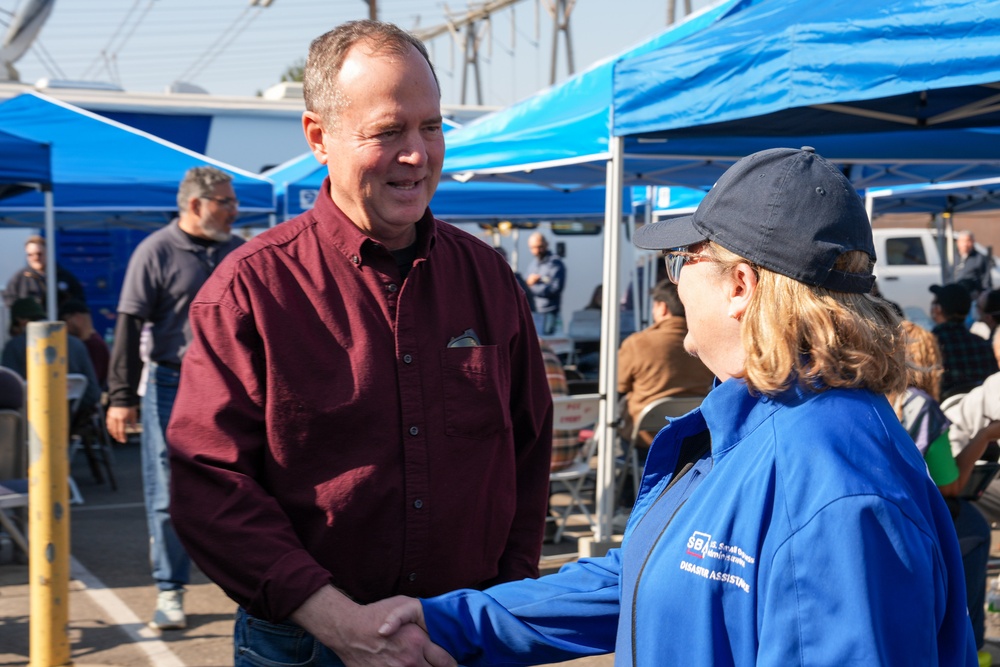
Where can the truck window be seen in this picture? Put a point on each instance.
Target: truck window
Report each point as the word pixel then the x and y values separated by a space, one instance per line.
pixel 905 251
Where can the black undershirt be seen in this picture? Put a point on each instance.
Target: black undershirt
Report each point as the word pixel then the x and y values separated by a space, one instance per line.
pixel 404 259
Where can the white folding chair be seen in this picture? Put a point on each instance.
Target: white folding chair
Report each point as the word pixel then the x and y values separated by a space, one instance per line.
pixel 573 413
pixel 652 417
pixel 76 386
pixel 13 496
pixel 13 459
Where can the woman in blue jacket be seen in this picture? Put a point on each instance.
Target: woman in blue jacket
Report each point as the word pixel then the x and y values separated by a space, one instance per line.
pixel 787 521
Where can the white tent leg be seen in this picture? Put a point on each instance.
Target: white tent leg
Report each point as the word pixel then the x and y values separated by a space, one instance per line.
pixel 605 493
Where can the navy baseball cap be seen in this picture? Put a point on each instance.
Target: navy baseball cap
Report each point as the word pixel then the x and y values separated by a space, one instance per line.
pixel 787 210
pixel 953 299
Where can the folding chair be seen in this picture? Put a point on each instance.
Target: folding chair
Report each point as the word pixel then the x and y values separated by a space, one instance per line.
pixel 573 413
pixel 76 385
pixel 652 417
pixel 13 473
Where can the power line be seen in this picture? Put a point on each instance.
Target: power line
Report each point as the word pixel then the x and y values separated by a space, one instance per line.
pixel 48 62
pixel 103 52
pixel 222 42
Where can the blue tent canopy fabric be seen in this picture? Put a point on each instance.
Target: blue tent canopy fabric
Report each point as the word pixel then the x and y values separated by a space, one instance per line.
pixel 107 173
pixel 559 133
pixel 24 161
pixel 796 67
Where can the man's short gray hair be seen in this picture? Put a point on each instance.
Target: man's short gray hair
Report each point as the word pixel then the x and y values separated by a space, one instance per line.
pixel 328 52
pixel 200 182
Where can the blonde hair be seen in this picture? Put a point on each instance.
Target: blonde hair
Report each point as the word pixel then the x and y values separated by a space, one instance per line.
pixel 794 333
pixel 923 360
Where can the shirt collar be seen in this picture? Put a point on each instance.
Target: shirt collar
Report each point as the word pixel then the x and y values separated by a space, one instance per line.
pixel 340 230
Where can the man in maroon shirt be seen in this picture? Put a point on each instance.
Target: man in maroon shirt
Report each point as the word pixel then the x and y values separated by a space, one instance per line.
pixel 363 411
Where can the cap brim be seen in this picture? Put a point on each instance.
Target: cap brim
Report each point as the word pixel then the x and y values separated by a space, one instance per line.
pixel 672 233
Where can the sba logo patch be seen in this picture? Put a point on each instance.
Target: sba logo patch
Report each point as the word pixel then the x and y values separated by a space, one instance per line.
pixel 698 543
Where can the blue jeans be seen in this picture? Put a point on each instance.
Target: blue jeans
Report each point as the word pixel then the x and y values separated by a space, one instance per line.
pixel 257 643
pixel 171 564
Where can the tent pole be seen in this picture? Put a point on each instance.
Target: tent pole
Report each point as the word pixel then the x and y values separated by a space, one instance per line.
pixel 949 236
pixel 607 417
pixel 52 307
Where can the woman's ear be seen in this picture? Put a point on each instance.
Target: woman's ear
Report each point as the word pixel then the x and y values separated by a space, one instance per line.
pixel 741 289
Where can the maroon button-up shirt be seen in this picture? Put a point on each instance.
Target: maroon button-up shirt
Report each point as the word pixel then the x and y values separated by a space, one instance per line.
pixel 325 432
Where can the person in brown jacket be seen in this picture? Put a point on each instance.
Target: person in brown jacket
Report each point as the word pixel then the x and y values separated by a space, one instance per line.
pixel 652 363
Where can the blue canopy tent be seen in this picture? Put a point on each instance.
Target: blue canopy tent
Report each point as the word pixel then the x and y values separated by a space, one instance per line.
pixel 560 135
pixel 910 85
pixel 23 163
pixel 900 91
pixel 298 183
pixel 108 174
pixel 792 68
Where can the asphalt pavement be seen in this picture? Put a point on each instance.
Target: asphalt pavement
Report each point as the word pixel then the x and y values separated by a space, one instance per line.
pixel 112 595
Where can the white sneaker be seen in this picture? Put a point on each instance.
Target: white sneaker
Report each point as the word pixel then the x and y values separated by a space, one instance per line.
pixel 169 613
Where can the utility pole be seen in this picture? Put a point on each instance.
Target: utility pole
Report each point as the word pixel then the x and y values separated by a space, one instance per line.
pixel 372 9
pixel 671 7
pixel 469 38
pixel 470 46
pixel 560 11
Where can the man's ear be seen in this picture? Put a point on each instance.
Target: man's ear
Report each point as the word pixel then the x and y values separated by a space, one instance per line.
pixel 742 288
pixel 194 206
pixel 314 129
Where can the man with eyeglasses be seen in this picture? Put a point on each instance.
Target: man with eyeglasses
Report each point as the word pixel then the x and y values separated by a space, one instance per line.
pixel 29 282
pixel 164 273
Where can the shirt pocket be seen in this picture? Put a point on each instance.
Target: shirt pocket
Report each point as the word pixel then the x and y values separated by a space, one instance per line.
pixel 475 392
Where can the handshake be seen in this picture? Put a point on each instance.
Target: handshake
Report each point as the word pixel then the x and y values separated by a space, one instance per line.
pixel 390 632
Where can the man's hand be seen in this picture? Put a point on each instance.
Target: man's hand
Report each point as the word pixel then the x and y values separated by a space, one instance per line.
pixel 532 279
pixel 403 611
pixel 119 419
pixel 352 631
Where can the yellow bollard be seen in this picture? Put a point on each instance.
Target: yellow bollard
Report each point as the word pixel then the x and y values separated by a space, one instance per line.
pixel 48 494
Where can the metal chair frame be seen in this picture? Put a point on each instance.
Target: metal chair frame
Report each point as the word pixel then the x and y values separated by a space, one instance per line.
pixel 652 417
pixel 574 413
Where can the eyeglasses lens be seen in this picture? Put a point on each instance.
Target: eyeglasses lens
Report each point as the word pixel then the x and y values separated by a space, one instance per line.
pixel 674 261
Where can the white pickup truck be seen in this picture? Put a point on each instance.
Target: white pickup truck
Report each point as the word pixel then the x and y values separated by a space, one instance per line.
pixel 909 262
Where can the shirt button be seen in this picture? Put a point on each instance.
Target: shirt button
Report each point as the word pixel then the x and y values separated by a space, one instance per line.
pixel 414 430
pixel 355 259
pixel 413 576
pixel 418 503
pixel 391 287
pixel 407 359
